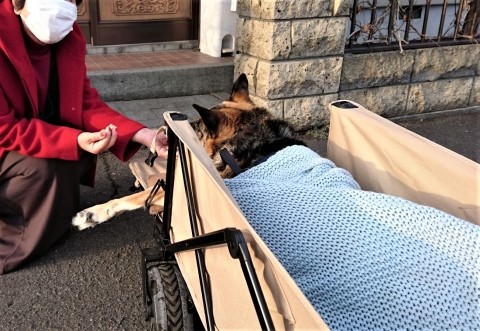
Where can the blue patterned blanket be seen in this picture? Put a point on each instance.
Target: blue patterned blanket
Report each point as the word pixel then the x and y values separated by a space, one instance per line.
pixel 366 261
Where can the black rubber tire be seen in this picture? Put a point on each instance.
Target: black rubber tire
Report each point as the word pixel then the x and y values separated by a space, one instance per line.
pixel 170 299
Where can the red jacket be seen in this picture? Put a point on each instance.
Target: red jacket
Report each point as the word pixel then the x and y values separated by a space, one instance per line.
pixel 80 107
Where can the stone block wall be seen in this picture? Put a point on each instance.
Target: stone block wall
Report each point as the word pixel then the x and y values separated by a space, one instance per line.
pixel 293 53
pixel 417 81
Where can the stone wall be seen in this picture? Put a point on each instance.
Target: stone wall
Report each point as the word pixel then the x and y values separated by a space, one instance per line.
pixel 293 53
pixel 417 81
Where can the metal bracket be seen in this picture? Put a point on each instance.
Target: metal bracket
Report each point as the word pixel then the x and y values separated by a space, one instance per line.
pixel 159 184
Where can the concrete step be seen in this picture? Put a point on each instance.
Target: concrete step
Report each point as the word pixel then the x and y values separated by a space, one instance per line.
pixel 162 82
pixel 138 78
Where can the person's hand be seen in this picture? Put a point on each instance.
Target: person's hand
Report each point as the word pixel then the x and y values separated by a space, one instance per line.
pixel 161 145
pixel 97 142
pixel 145 137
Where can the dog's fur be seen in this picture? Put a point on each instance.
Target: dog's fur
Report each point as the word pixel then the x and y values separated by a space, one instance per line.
pixel 248 132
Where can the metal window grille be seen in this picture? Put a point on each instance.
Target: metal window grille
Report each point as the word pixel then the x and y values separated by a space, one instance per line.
pixel 402 24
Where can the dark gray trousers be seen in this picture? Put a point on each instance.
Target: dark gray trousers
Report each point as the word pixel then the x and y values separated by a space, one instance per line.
pixel 37 200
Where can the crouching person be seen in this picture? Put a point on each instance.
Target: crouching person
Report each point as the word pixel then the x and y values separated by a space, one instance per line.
pixel 52 126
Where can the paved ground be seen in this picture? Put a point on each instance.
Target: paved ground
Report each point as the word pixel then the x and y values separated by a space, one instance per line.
pixel 458 133
pixel 91 280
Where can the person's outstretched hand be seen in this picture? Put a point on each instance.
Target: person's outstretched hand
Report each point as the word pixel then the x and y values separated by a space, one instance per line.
pixel 145 137
pixel 97 142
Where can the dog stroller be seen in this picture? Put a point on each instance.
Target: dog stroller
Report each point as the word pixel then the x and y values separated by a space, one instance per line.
pixel 210 268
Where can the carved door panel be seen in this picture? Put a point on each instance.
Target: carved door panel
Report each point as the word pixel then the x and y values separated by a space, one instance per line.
pixel 108 22
pixel 83 19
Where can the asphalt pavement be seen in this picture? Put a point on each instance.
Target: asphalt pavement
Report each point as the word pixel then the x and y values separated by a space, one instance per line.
pixel 91 280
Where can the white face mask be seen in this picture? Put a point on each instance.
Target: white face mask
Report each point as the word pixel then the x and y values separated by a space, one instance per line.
pixel 49 20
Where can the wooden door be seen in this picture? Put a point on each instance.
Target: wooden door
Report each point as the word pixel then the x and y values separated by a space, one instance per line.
pixel 113 22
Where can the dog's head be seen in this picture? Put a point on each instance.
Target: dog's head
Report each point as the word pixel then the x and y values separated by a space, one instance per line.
pixel 248 132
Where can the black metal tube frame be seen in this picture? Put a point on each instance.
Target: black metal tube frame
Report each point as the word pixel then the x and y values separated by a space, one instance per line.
pixel 199 256
pixel 230 236
pixel 237 248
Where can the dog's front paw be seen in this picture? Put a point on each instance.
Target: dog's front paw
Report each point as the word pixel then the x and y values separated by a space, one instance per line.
pixel 84 219
pixel 88 218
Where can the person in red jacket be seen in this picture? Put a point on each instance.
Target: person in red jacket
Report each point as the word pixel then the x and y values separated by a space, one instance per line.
pixel 52 126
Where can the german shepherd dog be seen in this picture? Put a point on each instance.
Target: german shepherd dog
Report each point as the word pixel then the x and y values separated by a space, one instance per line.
pixel 249 133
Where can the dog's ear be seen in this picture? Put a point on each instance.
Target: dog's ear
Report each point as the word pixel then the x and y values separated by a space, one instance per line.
pixel 209 117
pixel 240 89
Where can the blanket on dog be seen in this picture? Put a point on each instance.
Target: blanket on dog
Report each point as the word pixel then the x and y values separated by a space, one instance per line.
pixel 366 261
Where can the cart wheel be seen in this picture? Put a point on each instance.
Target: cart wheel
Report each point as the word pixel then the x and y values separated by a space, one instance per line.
pixel 170 299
